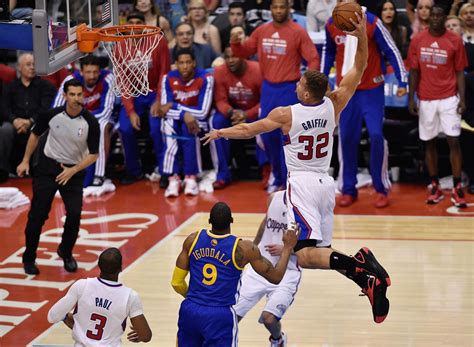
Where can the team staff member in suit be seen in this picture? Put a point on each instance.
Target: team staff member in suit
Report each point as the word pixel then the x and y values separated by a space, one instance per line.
pixel 281 45
pixel 215 260
pixel 72 144
pixel 367 104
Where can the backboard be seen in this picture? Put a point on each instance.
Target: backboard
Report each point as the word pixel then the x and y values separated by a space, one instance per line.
pixel 54 24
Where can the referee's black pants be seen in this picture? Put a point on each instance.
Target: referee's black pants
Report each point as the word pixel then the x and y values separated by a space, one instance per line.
pixel 44 189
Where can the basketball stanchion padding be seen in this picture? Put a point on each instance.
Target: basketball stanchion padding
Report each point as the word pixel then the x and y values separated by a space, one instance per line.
pixel 129 48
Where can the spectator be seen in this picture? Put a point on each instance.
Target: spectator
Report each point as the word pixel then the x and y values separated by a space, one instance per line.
pixel 437 60
pixel 7 74
pixel 257 12
pixel 366 106
pixel 203 53
pixel 454 24
pixel 99 100
pixel 186 98
pixel 235 16
pixel 24 99
pixel 419 18
pixel 204 33
pixel 174 10
pixel 136 108
pixel 317 13
pixel 466 13
pixel 387 12
pixel 237 99
pixel 281 46
pixel 21 9
pixel 153 17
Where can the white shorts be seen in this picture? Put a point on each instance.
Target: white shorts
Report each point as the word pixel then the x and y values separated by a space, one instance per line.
pixel 437 116
pixel 279 297
pixel 311 198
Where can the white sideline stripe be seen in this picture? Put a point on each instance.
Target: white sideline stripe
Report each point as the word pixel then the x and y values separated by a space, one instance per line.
pixel 129 268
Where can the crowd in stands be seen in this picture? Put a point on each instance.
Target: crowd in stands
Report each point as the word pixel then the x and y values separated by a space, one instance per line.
pixel 216 66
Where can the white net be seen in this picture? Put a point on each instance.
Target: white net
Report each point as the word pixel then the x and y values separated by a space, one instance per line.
pixel 131 57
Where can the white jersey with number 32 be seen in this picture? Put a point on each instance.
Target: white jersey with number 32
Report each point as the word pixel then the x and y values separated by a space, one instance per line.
pixel 308 146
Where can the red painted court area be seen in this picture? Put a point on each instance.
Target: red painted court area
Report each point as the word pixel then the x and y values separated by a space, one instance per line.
pixel 134 218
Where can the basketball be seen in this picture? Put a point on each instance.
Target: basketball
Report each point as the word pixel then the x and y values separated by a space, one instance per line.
pixel 342 14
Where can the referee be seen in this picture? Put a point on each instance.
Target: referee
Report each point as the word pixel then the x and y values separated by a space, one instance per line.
pixel 72 144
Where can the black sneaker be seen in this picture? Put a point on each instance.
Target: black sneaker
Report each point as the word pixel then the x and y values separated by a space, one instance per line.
pixel 70 263
pixel 130 179
pixel 366 262
pixel 31 268
pixel 98 181
pixel 376 291
pixel 164 182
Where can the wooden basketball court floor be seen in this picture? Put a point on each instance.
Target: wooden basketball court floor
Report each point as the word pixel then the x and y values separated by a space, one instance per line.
pixel 429 253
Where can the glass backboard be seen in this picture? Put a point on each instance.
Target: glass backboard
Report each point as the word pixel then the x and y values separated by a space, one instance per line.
pixel 54 29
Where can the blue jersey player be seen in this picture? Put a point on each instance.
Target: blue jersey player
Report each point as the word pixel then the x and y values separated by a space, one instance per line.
pixel 215 260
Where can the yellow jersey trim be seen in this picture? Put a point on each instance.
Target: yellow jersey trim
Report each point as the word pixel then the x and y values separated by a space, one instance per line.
pixel 217 236
pixel 194 243
pixel 233 254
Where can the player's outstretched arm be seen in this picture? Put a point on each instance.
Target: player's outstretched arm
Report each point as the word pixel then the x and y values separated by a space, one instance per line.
pixel 141 331
pixel 181 269
pixel 341 96
pixel 59 311
pixel 261 265
pixel 275 120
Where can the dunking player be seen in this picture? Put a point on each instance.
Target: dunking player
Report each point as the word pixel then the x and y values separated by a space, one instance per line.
pixel 254 286
pixel 215 259
pixel 101 307
pixel 309 128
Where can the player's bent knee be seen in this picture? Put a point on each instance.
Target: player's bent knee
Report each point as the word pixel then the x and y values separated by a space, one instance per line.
pixel 268 319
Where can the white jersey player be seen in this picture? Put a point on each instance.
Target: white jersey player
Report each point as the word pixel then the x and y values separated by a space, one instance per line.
pixel 102 307
pixel 254 286
pixel 308 128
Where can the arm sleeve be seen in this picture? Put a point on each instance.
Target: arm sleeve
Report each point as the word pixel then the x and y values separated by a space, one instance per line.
pixel 93 136
pixel 66 304
pixel 252 113
pixel 107 99
pixel 42 123
pixel 128 104
pixel 134 305
pixel 328 54
pixel 388 47
pixel 59 99
pixel 221 94
pixel 460 58
pixel 308 51
pixel 164 64
pixel 201 111
pixel 48 92
pixel 248 47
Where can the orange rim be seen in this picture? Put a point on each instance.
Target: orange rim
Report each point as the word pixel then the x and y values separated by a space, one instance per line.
pixel 88 39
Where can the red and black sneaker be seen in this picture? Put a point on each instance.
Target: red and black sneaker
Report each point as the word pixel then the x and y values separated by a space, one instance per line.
pixel 376 291
pixel 366 262
pixel 457 197
pixel 435 195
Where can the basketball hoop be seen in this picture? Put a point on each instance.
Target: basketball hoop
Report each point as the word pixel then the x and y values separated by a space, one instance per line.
pixel 129 48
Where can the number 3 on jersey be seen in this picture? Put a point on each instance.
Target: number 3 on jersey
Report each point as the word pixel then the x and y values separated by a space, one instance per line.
pixel 209 272
pixel 99 327
pixel 322 141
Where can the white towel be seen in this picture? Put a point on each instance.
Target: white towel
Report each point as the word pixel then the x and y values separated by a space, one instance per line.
pixel 17 200
pixel 7 192
pixel 106 187
pixel 350 49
